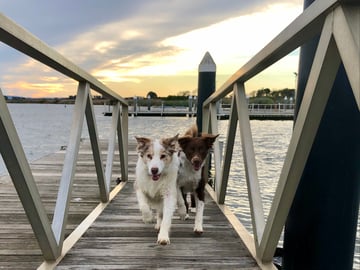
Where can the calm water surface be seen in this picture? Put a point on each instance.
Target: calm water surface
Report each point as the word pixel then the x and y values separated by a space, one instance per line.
pixel 44 128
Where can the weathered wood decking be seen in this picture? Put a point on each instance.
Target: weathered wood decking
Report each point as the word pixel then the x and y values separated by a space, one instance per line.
pixel 118 239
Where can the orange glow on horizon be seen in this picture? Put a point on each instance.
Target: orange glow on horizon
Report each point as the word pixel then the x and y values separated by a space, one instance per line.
pixel 171 67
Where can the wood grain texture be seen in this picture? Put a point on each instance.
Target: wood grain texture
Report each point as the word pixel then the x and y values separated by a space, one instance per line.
pixel 118 239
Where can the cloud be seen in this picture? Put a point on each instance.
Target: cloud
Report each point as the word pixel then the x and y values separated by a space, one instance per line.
pixel 229 41
pixel 235 40
pixel 31 78
pixel 125 42
pixel 56 22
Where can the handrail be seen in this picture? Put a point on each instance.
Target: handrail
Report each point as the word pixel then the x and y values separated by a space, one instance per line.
pixel 50 236
pixel 303 28
pixel 336 21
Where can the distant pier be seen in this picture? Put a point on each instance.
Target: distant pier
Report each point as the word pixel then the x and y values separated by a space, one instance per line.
pixel 256 112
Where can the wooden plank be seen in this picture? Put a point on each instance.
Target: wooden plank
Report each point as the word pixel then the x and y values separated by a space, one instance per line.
pixel 118 239
pixel 15 230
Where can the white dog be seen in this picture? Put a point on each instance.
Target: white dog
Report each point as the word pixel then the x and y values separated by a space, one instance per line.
pixel 155 185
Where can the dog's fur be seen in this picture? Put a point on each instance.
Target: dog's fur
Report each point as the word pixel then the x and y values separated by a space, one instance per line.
pixel 155 184
pixel 194 150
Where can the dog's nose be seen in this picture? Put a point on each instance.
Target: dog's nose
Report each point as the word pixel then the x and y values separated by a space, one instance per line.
pixel 154 170
pixel 196 162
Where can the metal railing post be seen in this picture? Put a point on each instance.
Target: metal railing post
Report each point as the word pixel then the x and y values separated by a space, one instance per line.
pixel 67 176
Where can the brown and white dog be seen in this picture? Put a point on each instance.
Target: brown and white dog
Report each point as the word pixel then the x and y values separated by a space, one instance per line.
pixel 155 184
pixel 194 150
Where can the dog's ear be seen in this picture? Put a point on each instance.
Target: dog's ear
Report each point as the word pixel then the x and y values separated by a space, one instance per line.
pixel 183 141
pixel 142 144
pixel 171 143
pixel 209 139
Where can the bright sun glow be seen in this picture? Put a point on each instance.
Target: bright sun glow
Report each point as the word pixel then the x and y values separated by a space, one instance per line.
pixel 231 43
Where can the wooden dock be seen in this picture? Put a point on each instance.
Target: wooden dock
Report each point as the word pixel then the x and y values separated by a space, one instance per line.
pixel 117 239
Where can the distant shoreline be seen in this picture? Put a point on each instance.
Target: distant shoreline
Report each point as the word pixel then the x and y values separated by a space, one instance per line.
pixel 22 100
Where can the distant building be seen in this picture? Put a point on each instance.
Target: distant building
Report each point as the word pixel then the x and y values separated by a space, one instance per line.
pixel 13 98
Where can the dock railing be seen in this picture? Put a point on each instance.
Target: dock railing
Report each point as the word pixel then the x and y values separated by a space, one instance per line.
pixel 278 111
pixel 50 235
pixel 337 23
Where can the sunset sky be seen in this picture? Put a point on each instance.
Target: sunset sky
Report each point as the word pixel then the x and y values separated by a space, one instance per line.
pixel 137 46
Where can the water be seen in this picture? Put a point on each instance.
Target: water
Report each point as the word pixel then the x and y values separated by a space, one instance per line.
pixel 44 128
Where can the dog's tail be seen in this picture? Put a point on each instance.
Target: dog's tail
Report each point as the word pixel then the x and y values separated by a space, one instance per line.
pixel 192 131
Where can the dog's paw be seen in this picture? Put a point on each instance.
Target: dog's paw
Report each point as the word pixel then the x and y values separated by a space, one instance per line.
pixel 198 230
pixel 163 240
pixel 157 227
pixel 182 213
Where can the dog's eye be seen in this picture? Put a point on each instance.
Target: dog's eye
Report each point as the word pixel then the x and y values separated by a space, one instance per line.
pixel 149 156
pixel 162 156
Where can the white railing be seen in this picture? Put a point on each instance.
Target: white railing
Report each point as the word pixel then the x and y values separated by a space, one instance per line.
pixel 51 236
pixel 281 110
pixel 337 22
